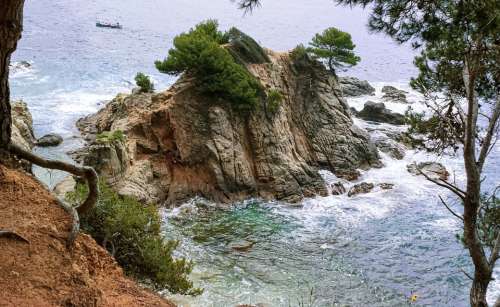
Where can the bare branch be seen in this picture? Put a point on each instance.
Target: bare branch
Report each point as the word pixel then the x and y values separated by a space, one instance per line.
pixel 449 209
pixel 444 184
pixel 495 252
pixel 490 134
pixel 86 172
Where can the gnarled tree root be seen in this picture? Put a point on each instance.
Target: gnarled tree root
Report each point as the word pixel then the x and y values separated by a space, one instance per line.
pixel 87 173
pixel 13 235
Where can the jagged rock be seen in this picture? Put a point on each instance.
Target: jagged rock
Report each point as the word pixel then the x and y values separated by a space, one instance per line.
pixel 22 136
pixel 22 126
pixel 110 160
pixel 386 186
pixel 361 188
pixel 393 94
pixel 49 140
pixel 338 188
pixel 392 148
pixel 434 170
pixel 352 87
pixel 377 112
pixel 197 145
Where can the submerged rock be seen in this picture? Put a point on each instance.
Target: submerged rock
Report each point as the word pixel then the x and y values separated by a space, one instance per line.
pixel 361 188
pixel 434 170
pixel 198 145
pixel 242 246
pixel 390 147
pixel 49 140
pixel 352 87
pixel 338 188
pixel 377 112
pixel 393 94
pixel 386 186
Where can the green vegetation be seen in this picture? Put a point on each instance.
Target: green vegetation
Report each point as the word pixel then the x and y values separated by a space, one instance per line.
pixel 274 99
pixel 144 83
pixel 131 233
pixel 245 49
pixel 298 53
pixel 335 47
pixel 200 53
pixel 107 137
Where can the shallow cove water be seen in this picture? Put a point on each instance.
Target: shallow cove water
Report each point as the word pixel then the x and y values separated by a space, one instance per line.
pixel 369 250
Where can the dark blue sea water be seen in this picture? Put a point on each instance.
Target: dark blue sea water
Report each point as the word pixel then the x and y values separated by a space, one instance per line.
pixel 372 250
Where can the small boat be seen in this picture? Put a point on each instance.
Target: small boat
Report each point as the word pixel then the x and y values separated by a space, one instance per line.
pixel 108 25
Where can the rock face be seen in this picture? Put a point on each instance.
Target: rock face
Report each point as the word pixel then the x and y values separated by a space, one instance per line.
pixel 352 87
pixel 22 126
pixel 377 112
pixel 434 170
pixel 49 140
pixel 393 94
pixel 22 136
pixel 181 144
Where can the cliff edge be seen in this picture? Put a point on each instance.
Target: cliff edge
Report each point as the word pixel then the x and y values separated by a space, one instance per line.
pixel 42 271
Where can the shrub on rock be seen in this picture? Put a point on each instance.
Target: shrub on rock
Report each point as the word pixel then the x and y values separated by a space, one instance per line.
pixel 200 52
pixel 144 83
pixel 131 233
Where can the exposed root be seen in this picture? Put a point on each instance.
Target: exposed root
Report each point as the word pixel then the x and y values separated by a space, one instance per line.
pixel 87 173
pixel 13 235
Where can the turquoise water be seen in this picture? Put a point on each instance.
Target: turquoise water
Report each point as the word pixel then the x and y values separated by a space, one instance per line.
pixel 370 250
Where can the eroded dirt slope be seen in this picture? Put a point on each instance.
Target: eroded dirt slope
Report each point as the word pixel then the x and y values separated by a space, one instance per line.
pixel 43 272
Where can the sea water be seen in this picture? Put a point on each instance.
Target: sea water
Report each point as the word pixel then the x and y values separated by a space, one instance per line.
pixel 374 249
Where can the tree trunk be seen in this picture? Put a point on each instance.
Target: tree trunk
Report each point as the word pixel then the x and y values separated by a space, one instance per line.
pixel 11 27
pixel 472 202
pixel 478 292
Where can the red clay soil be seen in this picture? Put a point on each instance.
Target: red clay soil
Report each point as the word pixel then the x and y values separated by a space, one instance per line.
pixel 44 272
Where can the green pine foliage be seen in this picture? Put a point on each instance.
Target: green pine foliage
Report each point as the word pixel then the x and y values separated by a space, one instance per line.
pixel 201 52
pixel 335 47
pixel 131 233
pixel 274 99
pixel 144 83
pixel 298 53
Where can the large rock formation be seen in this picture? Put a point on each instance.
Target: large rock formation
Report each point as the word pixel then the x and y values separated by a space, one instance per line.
pixel 352 87
pixel 181 143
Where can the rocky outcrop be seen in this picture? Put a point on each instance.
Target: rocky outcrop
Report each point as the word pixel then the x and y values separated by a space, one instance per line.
pixel 433 170
pixel 361 188
pixel 352 87
pixel 377 112
pixel 181 144
pixel 22 126
pixel 22 135
pixel 338 188
pixel 49 140
pixel 393 94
